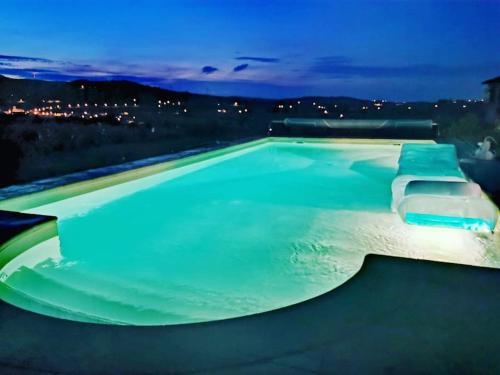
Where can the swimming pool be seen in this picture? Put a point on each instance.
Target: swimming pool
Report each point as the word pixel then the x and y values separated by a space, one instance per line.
pixel 242 231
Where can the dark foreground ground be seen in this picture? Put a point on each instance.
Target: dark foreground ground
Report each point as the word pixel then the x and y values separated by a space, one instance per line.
pixel 395 316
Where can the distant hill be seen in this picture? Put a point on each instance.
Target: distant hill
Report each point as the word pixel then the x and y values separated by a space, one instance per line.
pixel 36 90
pixel 33 90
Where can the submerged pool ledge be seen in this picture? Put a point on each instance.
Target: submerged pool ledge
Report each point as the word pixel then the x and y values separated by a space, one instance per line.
pixel 396 315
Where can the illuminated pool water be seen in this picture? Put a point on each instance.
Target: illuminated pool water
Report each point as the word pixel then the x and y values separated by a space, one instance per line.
pixel 247 232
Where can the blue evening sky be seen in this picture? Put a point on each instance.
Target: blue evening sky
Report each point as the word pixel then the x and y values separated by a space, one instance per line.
pixel 400 50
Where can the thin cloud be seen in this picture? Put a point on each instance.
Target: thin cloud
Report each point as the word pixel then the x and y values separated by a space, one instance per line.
pixel 54 75
pixel 24 58
pixel 259 59
pixel 241 67
pixel 57 70
pixel 52 70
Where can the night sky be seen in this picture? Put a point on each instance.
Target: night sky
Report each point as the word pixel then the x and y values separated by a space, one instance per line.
pixel 397 50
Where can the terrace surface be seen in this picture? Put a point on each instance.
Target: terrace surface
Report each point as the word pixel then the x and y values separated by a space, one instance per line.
pixel 395 316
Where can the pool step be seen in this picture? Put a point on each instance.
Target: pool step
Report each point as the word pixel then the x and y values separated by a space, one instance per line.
pixel 173 298
pixel 143 297
pixel 64 301
pixel 97 297
pixel 32 303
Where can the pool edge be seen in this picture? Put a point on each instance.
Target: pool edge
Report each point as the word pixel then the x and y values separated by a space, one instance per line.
pixel 30 200
pixel 53 194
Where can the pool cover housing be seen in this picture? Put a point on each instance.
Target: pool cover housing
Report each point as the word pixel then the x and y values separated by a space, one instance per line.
pixel 385 128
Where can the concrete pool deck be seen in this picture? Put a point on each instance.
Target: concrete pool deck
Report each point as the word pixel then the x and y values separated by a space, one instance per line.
pixel 395 316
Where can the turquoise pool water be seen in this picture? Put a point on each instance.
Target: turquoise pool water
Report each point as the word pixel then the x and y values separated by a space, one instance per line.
pixel 251 231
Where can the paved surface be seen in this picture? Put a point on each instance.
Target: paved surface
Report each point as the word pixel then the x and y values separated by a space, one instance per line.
pixel 395 316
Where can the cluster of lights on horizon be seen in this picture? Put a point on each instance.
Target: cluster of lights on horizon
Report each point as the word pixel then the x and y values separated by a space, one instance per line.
pixel 124 112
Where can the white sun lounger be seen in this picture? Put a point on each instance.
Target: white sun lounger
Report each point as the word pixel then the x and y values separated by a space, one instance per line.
pixel 431 189
pixel 451 204
pixel 425 162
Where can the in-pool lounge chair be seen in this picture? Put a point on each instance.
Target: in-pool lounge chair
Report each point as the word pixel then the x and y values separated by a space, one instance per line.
pixel 431 189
